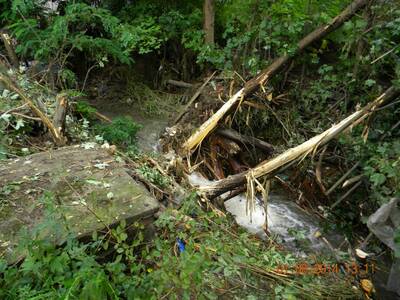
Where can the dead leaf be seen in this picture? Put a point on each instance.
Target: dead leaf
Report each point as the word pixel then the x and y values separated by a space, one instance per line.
pixel 367 286
pixel 317 234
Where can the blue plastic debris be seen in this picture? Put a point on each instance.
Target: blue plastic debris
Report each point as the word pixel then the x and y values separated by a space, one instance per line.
pixel 181 245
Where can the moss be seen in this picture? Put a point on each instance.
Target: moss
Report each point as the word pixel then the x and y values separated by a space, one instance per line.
pixel 79 194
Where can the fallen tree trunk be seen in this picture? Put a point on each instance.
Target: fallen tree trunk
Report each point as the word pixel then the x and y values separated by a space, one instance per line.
pixel 247 140
pixel 181 84
pixel 102 117
pixel 252 85
pixel 270 166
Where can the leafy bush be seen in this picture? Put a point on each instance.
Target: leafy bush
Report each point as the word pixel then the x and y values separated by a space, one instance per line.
pixel 383 170
pixel 81 30
pixel 83 27
pixel 116 30
pixel 122 131
pixel 85 110
pixel 154 176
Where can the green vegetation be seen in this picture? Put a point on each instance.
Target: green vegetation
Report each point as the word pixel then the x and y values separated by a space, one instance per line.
pixel 217 261
pixel 85 110
pixel 122 131
pixel 154 176
pixel 83 44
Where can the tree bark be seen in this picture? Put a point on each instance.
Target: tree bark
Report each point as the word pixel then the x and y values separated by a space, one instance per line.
pixel 252 85
pixel 10 50
pixel 268 167
pixel 209 16
pixel 247 140
pixel 60 113
pixel 102 117
pixel 181 84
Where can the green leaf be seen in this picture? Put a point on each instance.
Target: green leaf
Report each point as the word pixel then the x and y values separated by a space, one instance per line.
pixel 123 236
pixel 94 235
pixel 378 179
pixel 369 82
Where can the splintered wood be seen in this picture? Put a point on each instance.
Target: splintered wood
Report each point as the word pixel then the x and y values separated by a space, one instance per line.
pixel 251 86
pixel 269 166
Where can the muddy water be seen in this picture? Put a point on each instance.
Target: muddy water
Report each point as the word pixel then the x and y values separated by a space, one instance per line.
pixel 148 137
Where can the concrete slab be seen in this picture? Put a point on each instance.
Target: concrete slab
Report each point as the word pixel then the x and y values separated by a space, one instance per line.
pixel 87 190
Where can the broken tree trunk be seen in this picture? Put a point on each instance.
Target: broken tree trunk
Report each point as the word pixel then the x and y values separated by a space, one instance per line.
pixel 252 85
pixel 57 137
pixel 247 140
pixel 273 165
pixel 60 113
pixel 9 48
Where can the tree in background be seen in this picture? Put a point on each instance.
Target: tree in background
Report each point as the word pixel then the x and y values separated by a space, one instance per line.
pixel 209 17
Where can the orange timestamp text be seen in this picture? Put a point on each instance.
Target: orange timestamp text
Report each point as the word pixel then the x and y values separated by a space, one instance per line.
pixel 304 268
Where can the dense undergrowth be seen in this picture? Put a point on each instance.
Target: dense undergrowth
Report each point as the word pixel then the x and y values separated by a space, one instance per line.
pixel 194 254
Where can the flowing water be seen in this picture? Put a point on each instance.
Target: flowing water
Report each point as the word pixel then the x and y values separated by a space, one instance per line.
pixel 292 226
pixel 295 229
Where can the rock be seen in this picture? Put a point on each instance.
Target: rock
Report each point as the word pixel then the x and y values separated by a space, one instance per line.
pixel 75 183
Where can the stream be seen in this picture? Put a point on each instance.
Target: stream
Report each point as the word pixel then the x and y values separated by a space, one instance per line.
pixel 292 227
pixel 298 231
